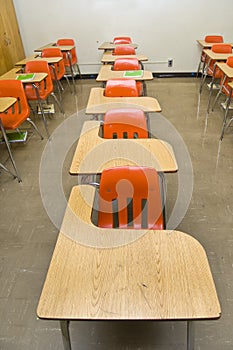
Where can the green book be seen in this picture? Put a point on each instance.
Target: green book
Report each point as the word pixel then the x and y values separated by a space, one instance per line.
pixel 25 77
pixel 17 136
pixel 133 73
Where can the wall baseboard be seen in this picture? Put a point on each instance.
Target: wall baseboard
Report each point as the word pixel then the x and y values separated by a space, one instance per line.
pixel 155 75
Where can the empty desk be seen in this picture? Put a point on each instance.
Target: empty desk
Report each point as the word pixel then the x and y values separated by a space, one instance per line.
pixel 115 274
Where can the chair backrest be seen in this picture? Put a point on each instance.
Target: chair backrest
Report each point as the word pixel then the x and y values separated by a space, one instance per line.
pixel 129 123
pixel 122 40
pixel 121 88
pixel 59 66
pixel 68 42
pixel 129 197
pixel 126 64
pixel 46 86
pixel 14 88
pixel 214 38
pixel 124 50
pixel 222 48
pixel 229 61
pixel 225 88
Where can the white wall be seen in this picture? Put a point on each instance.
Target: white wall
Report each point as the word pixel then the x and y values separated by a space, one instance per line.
pixel 162 28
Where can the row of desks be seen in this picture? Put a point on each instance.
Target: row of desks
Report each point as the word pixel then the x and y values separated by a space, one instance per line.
pixel 111 274
pixel 227 71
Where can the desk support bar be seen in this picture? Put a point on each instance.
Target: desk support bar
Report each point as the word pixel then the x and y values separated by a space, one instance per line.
pixel 64 324
pixel 190 335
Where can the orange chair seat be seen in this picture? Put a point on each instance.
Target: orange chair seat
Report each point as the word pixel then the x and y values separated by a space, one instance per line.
pixel 10 122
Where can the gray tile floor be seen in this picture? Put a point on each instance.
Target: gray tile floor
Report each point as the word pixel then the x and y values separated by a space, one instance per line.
pixel 28 236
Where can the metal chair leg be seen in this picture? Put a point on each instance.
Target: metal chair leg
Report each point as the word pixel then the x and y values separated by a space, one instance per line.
pixel 42 109
pixel 71 70
pixel 10 154
pixel 68 83
pixel 225 115
pixel 218 94
pixel 58 102
pixel 35 127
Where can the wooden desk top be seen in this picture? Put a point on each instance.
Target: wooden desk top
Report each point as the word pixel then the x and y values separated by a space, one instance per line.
pixel 100 104
pixel 108 57
pixel 110 46
pixel 94 153
pixel 217 56
pixel 61 47
pixel 227 70
pixel 203 43
pixel 6 102
pixel 12 74
pixel 50 60
pixel 156 275
pixel 107 73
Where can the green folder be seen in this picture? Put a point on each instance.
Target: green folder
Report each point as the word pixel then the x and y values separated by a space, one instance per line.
pixel 133 73
pixel 23 77
pixel 16 136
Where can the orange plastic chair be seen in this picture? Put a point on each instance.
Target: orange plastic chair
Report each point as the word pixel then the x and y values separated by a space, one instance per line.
pixel 122 64
pixel 41 91
pixel 58 70
pixel 73 56
pixel 121 88
pixel 18 113
pixel 124 50
pixel 218 48
pixel 129 197
pixel 208 39
pixel 127 123
pixel 122 40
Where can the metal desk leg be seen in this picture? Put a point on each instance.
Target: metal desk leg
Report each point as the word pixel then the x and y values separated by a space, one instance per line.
pixel 64 324
pixel 190 335
pixel 10 154
pixel 42 109
pixel 225 115
pixel 71 70
pixel 211 88
pixel 144 88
